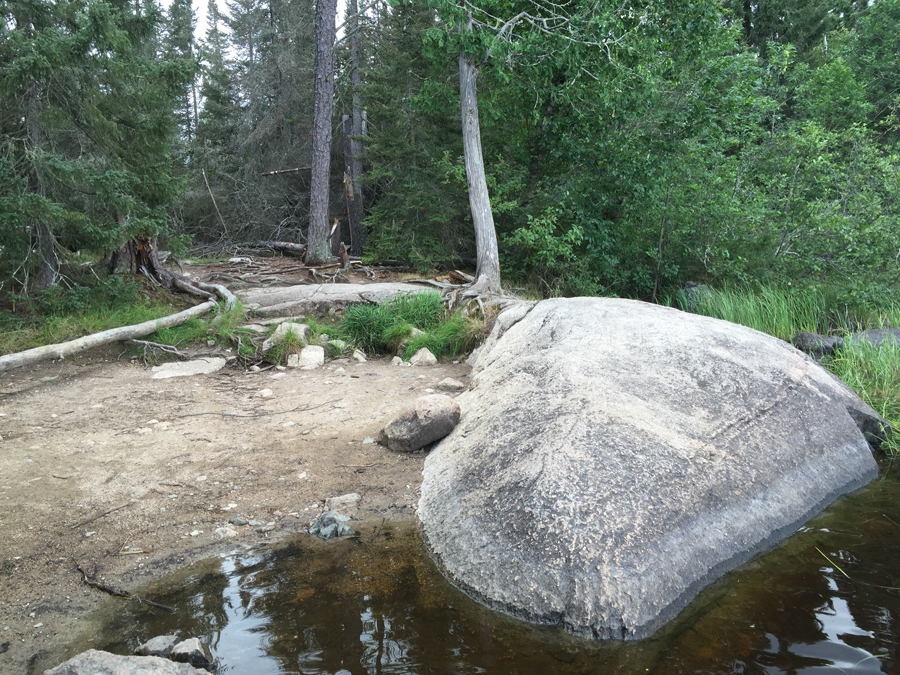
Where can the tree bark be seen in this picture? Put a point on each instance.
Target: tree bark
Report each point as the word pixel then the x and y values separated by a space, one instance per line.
pixel 487 275
pixel 323 106
pixel 353 198
pixel 357 229
pixel 48 269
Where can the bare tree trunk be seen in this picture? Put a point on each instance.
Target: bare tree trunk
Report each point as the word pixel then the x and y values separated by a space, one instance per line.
pixel 353 198
pixel 323 107
pixel 357 229
pixel 48 269
pixel 487 274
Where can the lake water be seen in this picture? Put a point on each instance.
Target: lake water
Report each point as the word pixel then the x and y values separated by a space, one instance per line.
pixel 826 601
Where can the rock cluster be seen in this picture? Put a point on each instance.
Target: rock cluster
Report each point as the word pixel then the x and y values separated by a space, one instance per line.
pixel 162 655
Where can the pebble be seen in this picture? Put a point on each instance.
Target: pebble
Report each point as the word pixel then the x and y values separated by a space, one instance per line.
pixel 237 521
pixel 268 527
pixel 396 361
pixel 254 523
pixel 254 369
pixel 231 505
pixel 429 391
pixel 201 478
pixel 359 356
pixel 305 431
pixel 340 370
pixel 280 368
pixel 225 532
pixel 368 440
pixel 266 393
pixel 195 533
pixel 288 424
pixel 38 625
pixel 90 534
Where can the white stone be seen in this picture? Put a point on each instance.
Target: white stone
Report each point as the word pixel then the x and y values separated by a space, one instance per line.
pixel 396 361
pixel 311 357
pixel 359 356
pixel 342 503
pixel 266 393
pixel 423 357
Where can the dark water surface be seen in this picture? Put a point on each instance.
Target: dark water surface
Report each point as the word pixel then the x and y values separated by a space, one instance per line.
pixel 377 604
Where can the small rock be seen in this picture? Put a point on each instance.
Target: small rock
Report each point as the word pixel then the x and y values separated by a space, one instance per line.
pixel 330 525
pixel 256 328
pixel 423 357
pixel 254 369
pixel 312 357
pixel 343 502
pixel 817 346
pixel 195 533
pixel 359 356
pixel 449 384
pixel 254 523
pixel 368 440
pixel 237 521
pixel 396 361
pixel 340 370
pixel 225 532
pixel 229 506
pixel 161 645
pixel 268 527
pixel 293 361
pixel 90 534
pixel 210 343
pixel 266 393
pixel 430 419
pixel 191 651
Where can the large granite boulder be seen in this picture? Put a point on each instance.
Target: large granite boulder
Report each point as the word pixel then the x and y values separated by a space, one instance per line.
pixel 877 337
pixel 615 457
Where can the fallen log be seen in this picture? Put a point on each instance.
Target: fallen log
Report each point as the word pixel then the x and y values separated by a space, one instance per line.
pixel 285 247
pixel 64 349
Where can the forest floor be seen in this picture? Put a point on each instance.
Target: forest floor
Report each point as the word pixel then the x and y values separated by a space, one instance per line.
pixel 168 461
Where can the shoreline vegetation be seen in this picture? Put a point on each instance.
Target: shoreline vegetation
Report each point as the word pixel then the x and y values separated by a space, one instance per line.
pixel 406 324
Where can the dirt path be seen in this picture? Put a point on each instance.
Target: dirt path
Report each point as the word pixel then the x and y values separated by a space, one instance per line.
pixel 180 457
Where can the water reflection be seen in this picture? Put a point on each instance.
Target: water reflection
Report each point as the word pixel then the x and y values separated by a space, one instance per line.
pixel 827 601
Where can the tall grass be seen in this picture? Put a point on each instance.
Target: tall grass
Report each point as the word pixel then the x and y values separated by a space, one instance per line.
pixel 785 312
pixel 382 329
pixel 872 372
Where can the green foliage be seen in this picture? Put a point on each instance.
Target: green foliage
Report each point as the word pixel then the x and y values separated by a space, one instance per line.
pixel 380 328
pixel 383 328
pixel 58 314
pixel 86 130
pixel 874 374
pixel 457 335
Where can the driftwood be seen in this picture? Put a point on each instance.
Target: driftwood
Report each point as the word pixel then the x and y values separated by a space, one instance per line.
pixel 119 593
pixel 284 247
pixel 99 516
pixel 64 349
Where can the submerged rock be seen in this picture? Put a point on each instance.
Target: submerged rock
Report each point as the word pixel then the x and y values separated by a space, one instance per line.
pixel 616 457
pixel 331 524
pixel 95 662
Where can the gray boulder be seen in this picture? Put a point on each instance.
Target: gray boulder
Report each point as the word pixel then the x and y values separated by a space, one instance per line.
pixel 817 346
pixel 877 337
pixel 161 645
pixel 428 420
pixel 616 457
pixel 95 662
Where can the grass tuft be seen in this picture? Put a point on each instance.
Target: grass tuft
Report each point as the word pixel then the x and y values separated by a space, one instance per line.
pixel 382 329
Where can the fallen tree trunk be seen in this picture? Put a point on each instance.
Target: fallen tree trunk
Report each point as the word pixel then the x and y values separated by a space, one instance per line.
pixel 64 349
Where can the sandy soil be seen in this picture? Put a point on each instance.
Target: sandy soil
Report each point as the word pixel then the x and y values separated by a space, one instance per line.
pixel 176 458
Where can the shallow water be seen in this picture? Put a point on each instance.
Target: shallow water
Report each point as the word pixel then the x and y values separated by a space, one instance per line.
pixel 376 604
